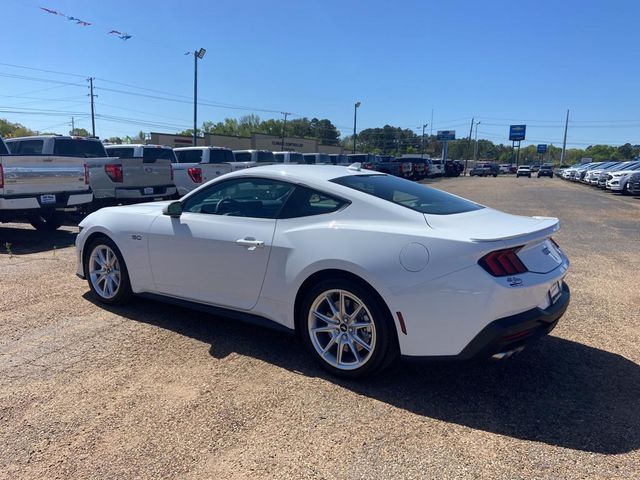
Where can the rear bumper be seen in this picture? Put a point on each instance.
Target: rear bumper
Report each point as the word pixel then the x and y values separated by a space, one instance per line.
pixel 159 191
pixel 511 333
pixel 34 201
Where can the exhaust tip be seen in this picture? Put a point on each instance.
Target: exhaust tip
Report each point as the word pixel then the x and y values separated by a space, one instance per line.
pixel 507 353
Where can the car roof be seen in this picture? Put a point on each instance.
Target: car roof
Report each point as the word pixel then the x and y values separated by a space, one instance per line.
pixel 201 147
pixel 44 137
pixel 143 145
pixel 309 174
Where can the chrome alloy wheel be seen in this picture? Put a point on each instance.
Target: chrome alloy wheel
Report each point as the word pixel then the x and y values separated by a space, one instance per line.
pixel 341 329
pixel 104 271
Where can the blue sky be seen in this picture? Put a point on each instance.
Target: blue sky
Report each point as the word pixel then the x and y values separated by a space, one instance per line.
pixel 500 61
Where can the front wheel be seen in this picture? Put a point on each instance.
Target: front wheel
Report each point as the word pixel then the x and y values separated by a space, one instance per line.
pixel 106 272
pixel 347 329
pixel 46 221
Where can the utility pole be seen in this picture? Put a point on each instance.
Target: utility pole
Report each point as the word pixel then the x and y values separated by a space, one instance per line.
pixel 564 141
pixel 73 125
pixel 93 116
pixel 284 129
pixel 355 118
pixel 475 151
pixel 423 127
pixel 466 160
pixel 431 129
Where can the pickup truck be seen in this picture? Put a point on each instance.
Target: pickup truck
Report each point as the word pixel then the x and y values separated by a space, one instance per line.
pixel 198 165
pixel 420 164
pixel 133 173
pixel 251 158
pixel 44 178
pixel 386 164
pixel 317 158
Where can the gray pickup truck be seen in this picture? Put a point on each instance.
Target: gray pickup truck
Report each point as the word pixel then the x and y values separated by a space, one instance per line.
pixel 45 178
pixel 132 174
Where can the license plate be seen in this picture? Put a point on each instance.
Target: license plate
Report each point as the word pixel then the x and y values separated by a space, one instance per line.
pixel 148 190
pixel 555 292
pixel 47 199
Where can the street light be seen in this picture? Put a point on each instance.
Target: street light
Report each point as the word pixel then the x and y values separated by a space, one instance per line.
pixel 423 127
pixel 355 117
pixel 197 54
pixel 475 152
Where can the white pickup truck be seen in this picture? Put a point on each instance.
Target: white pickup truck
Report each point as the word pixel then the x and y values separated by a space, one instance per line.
pixel 198 165
pixel 44 178
pixel 133 173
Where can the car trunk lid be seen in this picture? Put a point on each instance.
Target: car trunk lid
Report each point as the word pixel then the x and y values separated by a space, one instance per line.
pixel 497 230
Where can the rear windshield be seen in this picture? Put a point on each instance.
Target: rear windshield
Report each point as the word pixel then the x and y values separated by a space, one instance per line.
pixel 77 147
pixel 151 154
pixel 242 156
pixel 123 152
pixel 408 194
pixel 296 158
pixel 189 156
pixel 265 157
pixel 221 156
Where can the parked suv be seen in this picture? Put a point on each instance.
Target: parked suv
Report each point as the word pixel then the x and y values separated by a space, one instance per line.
pixel 546 171
pixel 484 170
pixel 523 171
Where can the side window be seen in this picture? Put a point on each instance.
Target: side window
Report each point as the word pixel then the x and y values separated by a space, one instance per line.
pixel 13 145
pixel 305 202
pixel 30 147
pixel 249 197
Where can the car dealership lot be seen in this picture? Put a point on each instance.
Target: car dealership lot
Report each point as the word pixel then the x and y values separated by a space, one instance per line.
pixel 152 390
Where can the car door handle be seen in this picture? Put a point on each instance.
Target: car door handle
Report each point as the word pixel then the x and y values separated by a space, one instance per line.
pixel 250 243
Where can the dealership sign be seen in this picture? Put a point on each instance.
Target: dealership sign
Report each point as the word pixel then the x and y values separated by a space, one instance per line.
pixel 446 135
pixel 517 132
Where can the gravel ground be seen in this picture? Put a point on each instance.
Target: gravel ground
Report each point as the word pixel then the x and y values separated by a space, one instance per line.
pixel 155 391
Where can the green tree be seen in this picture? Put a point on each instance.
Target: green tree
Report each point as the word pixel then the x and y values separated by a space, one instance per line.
pixel 10 130
pixel 79 132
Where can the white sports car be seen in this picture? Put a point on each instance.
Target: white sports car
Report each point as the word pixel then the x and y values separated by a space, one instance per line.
pixel 363 265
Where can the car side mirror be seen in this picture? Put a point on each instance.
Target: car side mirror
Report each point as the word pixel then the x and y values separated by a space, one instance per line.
pixel 174 209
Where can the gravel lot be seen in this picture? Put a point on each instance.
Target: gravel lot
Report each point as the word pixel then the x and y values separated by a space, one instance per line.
pixel 155 391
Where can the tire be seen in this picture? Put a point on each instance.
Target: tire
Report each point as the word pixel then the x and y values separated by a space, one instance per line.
pixel 46 221
pixel 112 287
pixel 495 175
pixel 368 341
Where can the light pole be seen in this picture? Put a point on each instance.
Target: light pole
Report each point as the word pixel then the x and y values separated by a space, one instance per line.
pixel 475 151
pixel 355 118
pixel 197 54
pixel 423 127
pixel 284 129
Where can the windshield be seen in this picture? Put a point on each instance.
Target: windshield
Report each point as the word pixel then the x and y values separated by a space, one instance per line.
pixel 408 194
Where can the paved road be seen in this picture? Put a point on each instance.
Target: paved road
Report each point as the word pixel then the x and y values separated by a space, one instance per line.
pixel 152 391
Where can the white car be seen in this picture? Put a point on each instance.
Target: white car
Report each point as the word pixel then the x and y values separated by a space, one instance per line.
pixel 523 171
pixel 364 266
pixel 618 181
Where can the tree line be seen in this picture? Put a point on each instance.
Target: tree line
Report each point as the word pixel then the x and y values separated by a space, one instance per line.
pixel 387 140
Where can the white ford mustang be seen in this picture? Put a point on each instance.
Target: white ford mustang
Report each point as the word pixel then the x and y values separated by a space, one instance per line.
pixel 364 266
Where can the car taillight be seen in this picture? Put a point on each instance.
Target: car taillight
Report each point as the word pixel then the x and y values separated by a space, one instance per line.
pixel 368 166
pixel 196 174
pixel 114 171
pixel 86 174
pixel 501 263
pixel 1 177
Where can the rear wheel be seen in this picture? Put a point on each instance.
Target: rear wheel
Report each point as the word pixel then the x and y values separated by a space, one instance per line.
pixel 46 221
pixel 346 328
pixel 106 272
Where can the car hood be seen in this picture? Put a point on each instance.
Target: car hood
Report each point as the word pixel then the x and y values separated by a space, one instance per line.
pixel 143 208
pixel 489 225
pixel 622 173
